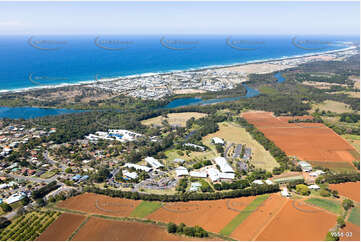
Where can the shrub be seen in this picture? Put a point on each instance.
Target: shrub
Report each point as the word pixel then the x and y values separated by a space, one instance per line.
pixel 6 207
pixel 172 228
pixel 331 236
pixel 302 189
pixel 341 222
pixel 347 204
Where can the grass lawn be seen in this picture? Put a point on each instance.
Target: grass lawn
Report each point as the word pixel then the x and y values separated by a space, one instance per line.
pixel 229 228
pixel 179 119
pixel 145 208
pixel 48 174
pixel 355 216
pixel 333 106
pixel 332 206
pixel 338 167
pixel 354 140
pixel 233 133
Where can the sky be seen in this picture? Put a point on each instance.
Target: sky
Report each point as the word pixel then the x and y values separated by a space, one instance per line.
pixel 263 18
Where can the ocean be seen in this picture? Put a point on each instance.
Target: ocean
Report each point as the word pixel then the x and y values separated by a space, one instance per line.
pixel 33 61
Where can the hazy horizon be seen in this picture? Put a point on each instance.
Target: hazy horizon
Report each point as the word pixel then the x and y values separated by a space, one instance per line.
pixel 180 18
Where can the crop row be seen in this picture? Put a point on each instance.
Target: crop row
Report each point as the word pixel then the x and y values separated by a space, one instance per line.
pixel 29 226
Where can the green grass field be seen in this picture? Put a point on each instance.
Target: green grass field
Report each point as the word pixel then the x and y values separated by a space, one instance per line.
pixel 332 206
pixel 229 228
pixel 338 167
pixel 355 216
pixel 145 208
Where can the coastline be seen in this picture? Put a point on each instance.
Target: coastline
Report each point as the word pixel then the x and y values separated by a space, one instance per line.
pixel 199 69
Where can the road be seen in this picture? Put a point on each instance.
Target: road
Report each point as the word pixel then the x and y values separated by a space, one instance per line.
pixel 32 179
pixel 46 157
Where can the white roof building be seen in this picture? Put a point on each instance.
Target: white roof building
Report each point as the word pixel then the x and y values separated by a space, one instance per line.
pixel 181 171
pixel 258 182
pixel 217 140
pixel 268 182
pixel 285 192
pixel 131 175
pixel 316 173
pixel 198 174
pixel 223 175
pixel 138 167
pixel 305 166
pixel 314 187
pixel 213 174
pixel 179 160
pixel 153 162
pixel 194 186
pixel 15 197
pixel 223 165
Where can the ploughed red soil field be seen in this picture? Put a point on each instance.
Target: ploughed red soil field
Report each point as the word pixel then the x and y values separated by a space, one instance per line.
pixel 351 232
pixel 348 189
pixel 253 224
pixel 307 141
pixel 297 221
pixel 213 215
pixel 98 229
pixel 62 228
pixel 100 204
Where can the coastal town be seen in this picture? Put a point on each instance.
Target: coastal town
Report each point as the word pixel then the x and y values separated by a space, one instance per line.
pixel 159 86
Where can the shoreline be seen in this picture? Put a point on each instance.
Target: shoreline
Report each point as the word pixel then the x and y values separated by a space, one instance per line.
pixel 205 68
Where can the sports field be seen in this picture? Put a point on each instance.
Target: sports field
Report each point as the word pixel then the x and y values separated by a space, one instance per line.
pixel 307 141
pixel 233 133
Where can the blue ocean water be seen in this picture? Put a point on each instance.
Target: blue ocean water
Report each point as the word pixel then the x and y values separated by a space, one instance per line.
pixel 31 112
pixel 30 61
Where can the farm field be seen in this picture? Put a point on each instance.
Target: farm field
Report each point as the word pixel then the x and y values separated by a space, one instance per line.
pixel 348 189
pixel 145 208
pixel 100 204
pixel 252 207
pixel 307 141
pixel 354 140
pixel 29 226
pixel 355 215
pixel 297 222
pixel 329 205
pixel 62 228
pixel 177 119
pixel 233 133
pixel 99 229
pixel 254 223
pixel 202 213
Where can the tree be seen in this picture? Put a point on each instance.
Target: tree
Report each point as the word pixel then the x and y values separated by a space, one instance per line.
pixel 172 228
pixel 68 170
pixel 302 189
pixel 341 222
pixel 347 204
pixel 6 207
pixel 4 222
pixel 332 236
